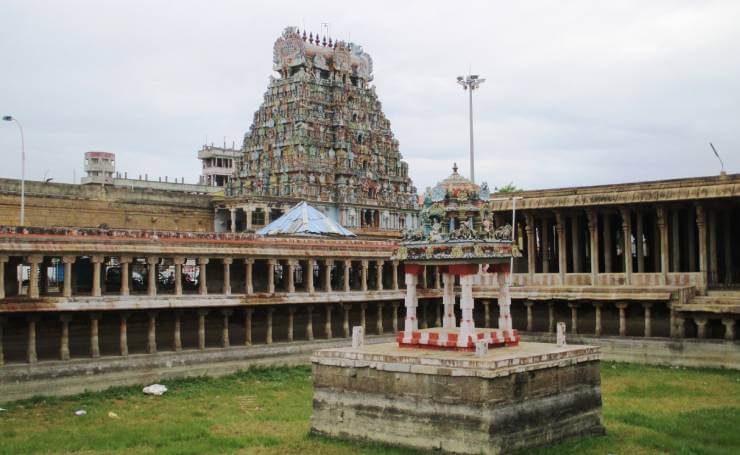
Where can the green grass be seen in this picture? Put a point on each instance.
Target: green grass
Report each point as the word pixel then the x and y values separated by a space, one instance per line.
pixel 646 410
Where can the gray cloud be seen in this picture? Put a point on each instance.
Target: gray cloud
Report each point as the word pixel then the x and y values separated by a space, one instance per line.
pixel 577 92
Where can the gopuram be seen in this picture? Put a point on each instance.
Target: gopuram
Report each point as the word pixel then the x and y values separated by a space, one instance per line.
pixel 441 388
pixel 321 136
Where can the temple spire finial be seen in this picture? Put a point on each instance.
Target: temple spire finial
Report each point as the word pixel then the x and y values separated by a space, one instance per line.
pixel 454 168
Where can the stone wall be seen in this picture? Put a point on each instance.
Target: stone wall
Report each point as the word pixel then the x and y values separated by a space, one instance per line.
pixel 61 204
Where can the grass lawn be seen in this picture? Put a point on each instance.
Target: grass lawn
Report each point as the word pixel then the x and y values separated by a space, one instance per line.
pixel 646 410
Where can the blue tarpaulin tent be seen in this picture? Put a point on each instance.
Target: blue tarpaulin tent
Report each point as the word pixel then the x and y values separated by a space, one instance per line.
pixel 305 220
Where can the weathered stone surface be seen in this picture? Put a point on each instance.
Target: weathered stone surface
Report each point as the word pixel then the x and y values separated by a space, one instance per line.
pixel 510 399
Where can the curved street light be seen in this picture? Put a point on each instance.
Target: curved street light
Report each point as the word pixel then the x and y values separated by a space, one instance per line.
pixel 470 83
pixel 9 118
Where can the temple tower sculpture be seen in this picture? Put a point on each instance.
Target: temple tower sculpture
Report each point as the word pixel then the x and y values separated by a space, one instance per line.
pixel 320 135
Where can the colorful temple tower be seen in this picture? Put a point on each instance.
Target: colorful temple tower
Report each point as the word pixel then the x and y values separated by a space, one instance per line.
pixel 320 135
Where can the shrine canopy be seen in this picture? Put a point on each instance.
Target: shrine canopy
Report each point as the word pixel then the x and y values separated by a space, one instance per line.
pixel 305 220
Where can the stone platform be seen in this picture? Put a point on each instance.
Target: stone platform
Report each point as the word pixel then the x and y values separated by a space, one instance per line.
pixel 510 399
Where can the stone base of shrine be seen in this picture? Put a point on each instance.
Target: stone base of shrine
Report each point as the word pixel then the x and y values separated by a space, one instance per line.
pixel 439 338
pixel 530 395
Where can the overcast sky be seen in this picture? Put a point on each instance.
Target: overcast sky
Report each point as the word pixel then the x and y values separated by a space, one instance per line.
pixel 577 92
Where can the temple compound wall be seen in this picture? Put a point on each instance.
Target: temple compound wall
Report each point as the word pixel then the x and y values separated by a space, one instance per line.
pixel 66 205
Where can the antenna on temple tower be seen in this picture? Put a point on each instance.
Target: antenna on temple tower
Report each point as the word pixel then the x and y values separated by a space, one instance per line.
pixel 722 163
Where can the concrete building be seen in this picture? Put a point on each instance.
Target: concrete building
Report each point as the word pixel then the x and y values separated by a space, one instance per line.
pixel 101 170
pixel 218 165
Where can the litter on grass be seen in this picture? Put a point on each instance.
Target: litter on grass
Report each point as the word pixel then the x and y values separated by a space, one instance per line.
pixel 80 412
pixel 155 389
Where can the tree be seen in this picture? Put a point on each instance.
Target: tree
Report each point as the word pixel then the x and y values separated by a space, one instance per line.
pixel 509 188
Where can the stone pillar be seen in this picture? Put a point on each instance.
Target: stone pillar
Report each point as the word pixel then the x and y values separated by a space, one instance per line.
pixel 249 276
pixel 655 246
pixel 531 244
pixel 309 323
pixel 575 236
pixel 202 329
pixel 530 317
pixel 648 321
pixel 177 333
pixel 424 316
pixel 67 289
pixel 437 314
pixel 727 246
pixel 151 289
pixel 291 319
pixel 680 325
pixel 31 355
pixel 622 318
pixel 467 324
pixel 411 302
pixel 675 242
pixel 597 326
pixel 504 303
pixel 2 353
pixel 268 332
pixel 448 301
pixel 394 305
pixel 379 321
pixel 232 225
pixel 125 276
pixel 178 261
pixel 691 240
pixel 151 344
pixel 593 238
pixel 123 333
pixel 3 260
pixel 345 322
pixel 271 276
pixel 94 339
pixel 327 322
pixel 202 277
pixel 64 342
pixel 608 243
pixel 437 278
pixel 34 261
pixel 544 245
pixel 701 326
pixel 487 313
pixel 379 275
pixel 729 324
pixel 551 317
pixel 291 276
pixel 364 275
pixel 395 275
pixel 662 219
pixel 363 311
pixel 573 317
pixel 327 274
pixel 639 241
pixel 627 240
pixel 309 275
pixel 347 271
pixel 225 313
pixel 248 312
pixel 227 275
pixel 713 246
pixel 424 283
pixel 562 247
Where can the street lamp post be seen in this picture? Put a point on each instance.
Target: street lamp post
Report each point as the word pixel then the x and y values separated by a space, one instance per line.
pixel 470 83
pixel 9 118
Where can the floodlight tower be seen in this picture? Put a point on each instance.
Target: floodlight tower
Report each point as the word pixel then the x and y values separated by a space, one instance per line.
pixel 470 83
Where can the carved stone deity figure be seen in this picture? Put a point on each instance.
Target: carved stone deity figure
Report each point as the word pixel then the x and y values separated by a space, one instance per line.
pixel 436 234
